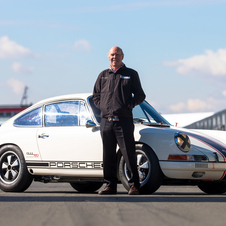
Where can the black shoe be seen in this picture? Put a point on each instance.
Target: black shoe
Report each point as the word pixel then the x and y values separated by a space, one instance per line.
pixel 133 190
pixel 108 191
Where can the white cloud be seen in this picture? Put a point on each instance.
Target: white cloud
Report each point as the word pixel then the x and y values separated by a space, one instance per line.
pixel 10 49
pixel 82 45
pixel 197 105
pixel 16 85
pixel 224 92
pixel 18 68
pixel 179 107
pixel 208 64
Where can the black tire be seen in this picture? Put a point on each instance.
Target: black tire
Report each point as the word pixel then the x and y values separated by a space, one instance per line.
pixel 14 176
pixel 150 173
pixel 210 187
pixel 86 187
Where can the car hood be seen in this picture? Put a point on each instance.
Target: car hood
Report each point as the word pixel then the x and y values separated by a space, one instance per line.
pixel 214 135
pixel 213 141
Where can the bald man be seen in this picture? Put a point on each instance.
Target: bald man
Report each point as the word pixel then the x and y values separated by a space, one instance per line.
pixel 116 92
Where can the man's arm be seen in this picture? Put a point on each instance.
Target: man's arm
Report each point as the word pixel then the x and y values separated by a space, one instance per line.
pixel 96 92
pixel 138 92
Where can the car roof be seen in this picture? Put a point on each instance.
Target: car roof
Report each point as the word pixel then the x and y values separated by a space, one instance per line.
pixel 49 100
pixel 65 97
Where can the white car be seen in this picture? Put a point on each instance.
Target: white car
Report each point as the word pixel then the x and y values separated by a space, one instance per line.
pixel 58 140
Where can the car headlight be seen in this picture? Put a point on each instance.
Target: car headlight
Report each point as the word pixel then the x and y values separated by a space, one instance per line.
pixel 182 141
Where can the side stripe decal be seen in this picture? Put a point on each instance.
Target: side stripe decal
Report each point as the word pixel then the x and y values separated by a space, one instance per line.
pixel 213 144
pixel 218 147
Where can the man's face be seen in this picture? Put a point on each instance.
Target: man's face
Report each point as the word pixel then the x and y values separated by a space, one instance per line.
pixel 115 56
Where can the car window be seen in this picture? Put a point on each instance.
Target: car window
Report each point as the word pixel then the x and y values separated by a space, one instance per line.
pixel 84 114
pixel 145 113
pixel 96 111
pixel 71 113
pixel 139 115
pixel 62 114
pixel 32 118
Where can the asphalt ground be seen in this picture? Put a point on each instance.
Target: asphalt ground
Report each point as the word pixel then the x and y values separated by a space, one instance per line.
pixel 60 205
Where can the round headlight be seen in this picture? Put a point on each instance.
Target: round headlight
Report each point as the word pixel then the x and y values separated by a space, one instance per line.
pixel 182 141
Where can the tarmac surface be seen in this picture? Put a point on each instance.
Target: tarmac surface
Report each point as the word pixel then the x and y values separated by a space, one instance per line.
pixel 60 205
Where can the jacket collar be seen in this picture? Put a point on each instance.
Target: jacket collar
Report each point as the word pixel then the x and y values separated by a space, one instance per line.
pixel 113 71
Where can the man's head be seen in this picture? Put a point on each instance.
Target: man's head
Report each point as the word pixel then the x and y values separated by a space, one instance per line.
pixel 115 55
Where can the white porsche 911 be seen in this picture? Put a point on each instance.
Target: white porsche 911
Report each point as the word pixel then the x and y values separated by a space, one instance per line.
pixel 58 140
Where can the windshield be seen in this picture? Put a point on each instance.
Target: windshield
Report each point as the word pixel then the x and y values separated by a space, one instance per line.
pixel 143 113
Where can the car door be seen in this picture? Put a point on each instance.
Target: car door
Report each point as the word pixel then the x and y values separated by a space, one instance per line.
pixel 64 136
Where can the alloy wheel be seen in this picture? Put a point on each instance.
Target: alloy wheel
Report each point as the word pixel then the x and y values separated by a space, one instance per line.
pixel 10 167
pixel 143 167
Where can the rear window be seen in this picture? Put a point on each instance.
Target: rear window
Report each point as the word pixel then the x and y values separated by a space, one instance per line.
pixel 32 118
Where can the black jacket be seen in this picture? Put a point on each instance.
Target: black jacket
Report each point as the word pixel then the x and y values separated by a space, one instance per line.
pixel 116 94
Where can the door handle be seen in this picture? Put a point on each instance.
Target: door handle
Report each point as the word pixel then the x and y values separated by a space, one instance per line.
pixel 43 136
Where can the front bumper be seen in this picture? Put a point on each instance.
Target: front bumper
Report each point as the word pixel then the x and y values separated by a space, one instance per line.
pixel 193 170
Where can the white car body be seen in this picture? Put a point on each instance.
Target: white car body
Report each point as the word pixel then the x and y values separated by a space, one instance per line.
pixel 73 153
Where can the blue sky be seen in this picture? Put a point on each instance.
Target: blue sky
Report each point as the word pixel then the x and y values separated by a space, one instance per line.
pixel 58 47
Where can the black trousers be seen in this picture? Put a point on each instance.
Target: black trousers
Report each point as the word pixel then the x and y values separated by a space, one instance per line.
pixel 121 133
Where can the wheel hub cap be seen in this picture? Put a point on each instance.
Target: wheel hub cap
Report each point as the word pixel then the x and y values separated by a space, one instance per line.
pixel 10 167
pixel 143 168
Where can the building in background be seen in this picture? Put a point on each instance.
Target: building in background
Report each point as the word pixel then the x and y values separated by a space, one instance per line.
pixel 216 121
pixel 207 120
pixel 6 112
pixel 186 119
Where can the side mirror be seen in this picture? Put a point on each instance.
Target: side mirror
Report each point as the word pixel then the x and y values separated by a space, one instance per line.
pixel 90 124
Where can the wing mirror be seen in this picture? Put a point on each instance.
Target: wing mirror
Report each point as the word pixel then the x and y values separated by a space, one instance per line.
pixel 90 124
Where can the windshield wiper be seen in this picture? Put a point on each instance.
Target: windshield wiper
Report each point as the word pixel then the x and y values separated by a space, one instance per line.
pixel 139 120
pixel 159 124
